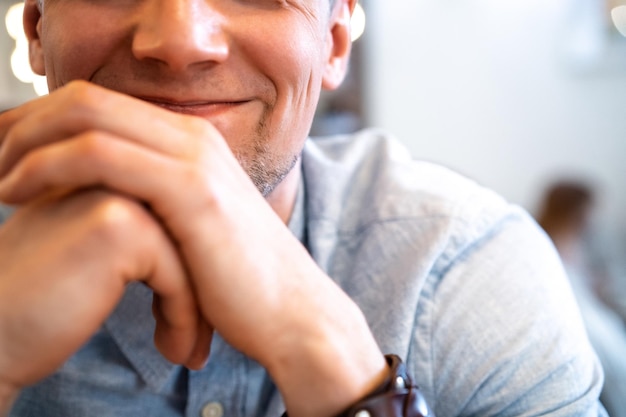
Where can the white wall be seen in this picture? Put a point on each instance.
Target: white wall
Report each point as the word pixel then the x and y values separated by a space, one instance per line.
pixel 487 88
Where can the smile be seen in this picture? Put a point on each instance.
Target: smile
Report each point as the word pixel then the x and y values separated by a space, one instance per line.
pixel 196 108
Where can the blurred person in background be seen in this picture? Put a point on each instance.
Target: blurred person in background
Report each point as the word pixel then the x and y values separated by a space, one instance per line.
pixel 565 214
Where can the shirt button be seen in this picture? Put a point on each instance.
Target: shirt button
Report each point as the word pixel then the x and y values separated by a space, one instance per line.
pixel 213 409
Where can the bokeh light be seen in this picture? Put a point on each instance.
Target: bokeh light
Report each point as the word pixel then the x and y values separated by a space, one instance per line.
pixel 20 64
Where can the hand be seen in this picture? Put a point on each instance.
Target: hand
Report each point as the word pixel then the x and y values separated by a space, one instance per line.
pixel 254 282
pixel 179 166
pixel 65 260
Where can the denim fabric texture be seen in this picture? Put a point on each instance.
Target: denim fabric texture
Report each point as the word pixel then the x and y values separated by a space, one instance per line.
pixel 463 286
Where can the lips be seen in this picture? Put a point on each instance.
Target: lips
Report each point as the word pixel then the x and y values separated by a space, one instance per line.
pixel 196 108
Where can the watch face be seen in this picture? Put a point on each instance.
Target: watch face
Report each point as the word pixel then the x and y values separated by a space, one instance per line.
pixel 619 18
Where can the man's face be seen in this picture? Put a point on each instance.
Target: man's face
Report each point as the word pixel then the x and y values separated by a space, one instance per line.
pixel 254 68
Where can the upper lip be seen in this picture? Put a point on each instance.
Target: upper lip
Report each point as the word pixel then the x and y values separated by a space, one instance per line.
pixel 172 102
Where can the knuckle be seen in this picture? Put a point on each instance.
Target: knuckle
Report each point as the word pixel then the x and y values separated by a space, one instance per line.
pixel 196 178
pixel 201 138
pixel 82 98
pixel 78 90
pixel 14 136
pixel 92 144
pixel 211 195
pixel 34 166
pixel 92 151
pixel 116 220
pixel 111 232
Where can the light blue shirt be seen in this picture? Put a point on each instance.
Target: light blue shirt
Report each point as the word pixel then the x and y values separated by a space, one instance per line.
pixel 462 285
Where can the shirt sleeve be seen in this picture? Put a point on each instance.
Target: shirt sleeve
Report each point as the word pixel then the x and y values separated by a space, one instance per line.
pixel 502 332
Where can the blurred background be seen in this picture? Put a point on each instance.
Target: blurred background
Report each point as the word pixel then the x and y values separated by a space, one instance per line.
pixel 516 94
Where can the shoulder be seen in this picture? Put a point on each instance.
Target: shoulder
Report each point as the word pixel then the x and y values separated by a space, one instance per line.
pixel 390 230
pixel 481 305
pixel 369 179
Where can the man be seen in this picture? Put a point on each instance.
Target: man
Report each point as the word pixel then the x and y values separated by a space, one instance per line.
pixel 172 150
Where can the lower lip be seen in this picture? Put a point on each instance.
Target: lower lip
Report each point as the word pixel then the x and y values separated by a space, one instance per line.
pixel 201 110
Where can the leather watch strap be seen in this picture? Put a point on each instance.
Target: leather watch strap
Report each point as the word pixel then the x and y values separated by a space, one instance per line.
pixel 397 396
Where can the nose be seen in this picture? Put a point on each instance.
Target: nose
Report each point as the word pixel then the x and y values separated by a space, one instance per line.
pixel 180 33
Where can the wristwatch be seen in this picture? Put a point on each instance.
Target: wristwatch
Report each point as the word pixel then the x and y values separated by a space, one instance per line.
pixel 397 396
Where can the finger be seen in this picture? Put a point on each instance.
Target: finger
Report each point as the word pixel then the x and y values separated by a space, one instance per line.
pixel 10 116
pixel 101 159
pixel 202 349
pixel 107 220
pixel 90 245
pixel 178 318
pixel 81 106
pixel 166 337
pixel 80 162
pixel 152 259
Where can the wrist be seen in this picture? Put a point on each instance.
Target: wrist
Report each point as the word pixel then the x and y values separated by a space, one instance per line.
pixel 326 365
pixel 396 396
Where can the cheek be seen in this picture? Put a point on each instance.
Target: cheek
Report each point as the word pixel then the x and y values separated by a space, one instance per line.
pixel 290 57
pixel 299 77
pixel 302 61
pixel 296 74
pixel 74 51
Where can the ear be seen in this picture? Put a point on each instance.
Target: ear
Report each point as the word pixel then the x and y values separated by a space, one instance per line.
pixel 339 44
pixel 32 29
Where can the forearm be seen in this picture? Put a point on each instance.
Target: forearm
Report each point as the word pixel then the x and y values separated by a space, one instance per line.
pixel 324 369
pixel 328 381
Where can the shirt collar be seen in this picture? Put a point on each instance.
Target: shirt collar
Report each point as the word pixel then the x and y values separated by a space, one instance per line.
pixel 297 221
pixel 132 327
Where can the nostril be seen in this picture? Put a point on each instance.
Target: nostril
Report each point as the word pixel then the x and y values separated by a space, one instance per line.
pixel 179 51
pixel 180 34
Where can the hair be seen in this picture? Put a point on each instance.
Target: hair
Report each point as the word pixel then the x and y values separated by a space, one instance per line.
pixel 565 206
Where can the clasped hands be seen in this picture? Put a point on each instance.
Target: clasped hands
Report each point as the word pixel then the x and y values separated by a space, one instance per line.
pixel 109 190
